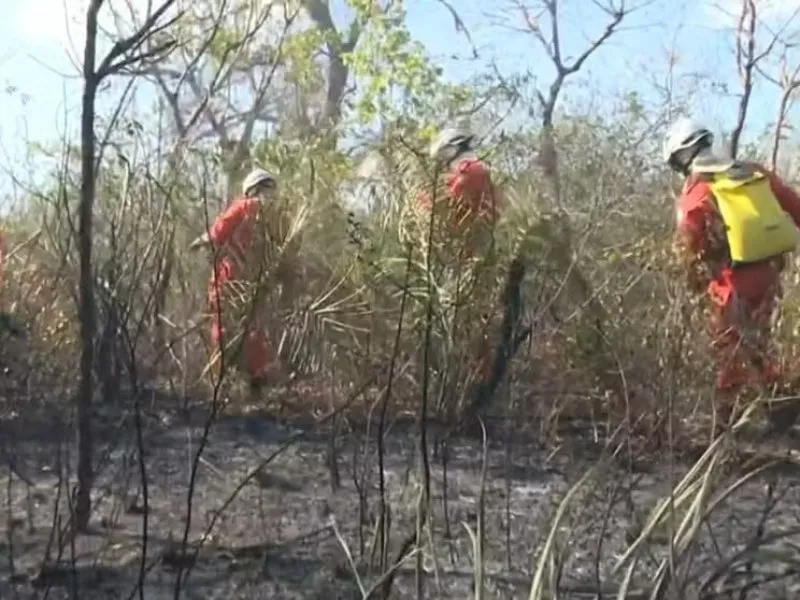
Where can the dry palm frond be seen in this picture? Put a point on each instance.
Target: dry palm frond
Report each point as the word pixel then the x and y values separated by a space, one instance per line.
pixel 323 320
pixel 316 334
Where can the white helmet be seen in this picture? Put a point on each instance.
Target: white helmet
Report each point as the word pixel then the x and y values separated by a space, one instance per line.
pixel 444 145
pixel 684 133
pixel 255 178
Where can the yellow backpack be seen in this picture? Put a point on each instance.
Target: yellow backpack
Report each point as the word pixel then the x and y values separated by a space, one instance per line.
pixel 756 225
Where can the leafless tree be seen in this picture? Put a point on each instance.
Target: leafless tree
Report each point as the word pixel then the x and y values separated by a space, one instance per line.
pixel 248 66
pixel 338 46
pixel 788 82
pixel 126 52
pixel 748 58
pixel 616 12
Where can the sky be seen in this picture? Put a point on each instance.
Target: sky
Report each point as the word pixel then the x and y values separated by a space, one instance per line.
pixel 41 88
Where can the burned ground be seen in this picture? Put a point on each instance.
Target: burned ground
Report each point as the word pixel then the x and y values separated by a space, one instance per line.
pixel 276 537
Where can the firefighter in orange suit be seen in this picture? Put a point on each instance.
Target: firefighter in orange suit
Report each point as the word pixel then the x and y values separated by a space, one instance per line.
pixel 743 294
pixel 466 214
pixel 235 236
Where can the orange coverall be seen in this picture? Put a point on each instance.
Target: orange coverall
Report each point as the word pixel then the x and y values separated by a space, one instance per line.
pixel 471 195
pixel 233 233
pixel 744 298
pixel 472 205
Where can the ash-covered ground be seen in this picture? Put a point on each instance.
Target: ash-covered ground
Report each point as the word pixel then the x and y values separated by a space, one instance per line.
pixel 275 539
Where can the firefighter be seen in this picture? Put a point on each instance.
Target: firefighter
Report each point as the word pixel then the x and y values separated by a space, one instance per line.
pixel 471 201
pixel 236 236
pixel 465 214
pixel 736 222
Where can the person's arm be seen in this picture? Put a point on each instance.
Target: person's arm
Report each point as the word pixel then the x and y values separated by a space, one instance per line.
pixel 227 222
pixel 690 234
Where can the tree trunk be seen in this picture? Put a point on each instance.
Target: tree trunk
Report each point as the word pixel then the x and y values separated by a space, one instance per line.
pixel 86 301
pixel 338 73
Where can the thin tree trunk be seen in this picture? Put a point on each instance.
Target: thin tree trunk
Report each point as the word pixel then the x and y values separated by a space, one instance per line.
pixel 86 303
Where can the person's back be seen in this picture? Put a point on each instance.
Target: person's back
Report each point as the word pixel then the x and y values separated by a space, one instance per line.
pixel 472 194
pixel 470 204
pixel 704 234
pixel 462 236
pixel 234 231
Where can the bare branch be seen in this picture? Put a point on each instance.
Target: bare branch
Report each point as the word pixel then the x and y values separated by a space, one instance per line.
pixel 261 93
pixel 790 83
pixel 155 54
pixel 616 18
pixel 171 81
pixel 747 61
pixel 113 122
pixel 460 26
pixel 131 44
pixel 548 158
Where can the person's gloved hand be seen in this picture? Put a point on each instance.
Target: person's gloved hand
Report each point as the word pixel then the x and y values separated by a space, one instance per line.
pixel 684 259
pixel 199 242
